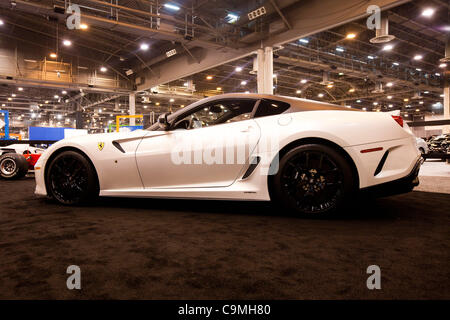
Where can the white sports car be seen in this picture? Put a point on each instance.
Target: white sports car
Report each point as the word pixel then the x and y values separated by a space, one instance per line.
pixel 309 156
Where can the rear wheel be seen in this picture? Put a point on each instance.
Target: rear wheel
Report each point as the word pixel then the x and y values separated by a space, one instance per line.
pixel 313 180
pixel 71 179
pixel 13 166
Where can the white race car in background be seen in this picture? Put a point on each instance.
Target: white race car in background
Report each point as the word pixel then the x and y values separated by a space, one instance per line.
pixel 422 145
pixel 20 149
pixel 308 156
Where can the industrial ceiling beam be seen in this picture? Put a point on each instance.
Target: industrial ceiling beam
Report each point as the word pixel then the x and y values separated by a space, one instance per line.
pixel 307 17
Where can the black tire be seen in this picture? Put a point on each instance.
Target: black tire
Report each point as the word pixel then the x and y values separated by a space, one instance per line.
pixel 422 150
pixel 313 180
pixel 71 179
pixel 13 166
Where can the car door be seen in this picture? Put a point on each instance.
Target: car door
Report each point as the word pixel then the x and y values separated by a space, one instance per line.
pixel 200 152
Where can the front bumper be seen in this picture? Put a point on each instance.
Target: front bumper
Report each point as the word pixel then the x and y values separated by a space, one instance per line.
pixel 402 185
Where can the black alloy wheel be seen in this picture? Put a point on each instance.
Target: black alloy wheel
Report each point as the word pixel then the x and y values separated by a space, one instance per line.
pixel 71 179
pixel 313 180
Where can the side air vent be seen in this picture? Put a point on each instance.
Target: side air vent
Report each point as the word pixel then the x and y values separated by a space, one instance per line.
pixel 253 164
pixel 118 146
pixel 381 164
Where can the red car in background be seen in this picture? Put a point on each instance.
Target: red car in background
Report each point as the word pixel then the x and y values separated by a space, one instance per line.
pixel 17 160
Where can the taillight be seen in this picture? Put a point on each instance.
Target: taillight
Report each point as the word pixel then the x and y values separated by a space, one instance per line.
pixel 399 120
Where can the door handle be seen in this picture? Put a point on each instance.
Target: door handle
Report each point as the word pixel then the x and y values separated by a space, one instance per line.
pixel 247 129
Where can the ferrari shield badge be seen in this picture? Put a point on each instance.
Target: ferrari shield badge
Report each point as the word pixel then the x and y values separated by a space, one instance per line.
pixel 101 145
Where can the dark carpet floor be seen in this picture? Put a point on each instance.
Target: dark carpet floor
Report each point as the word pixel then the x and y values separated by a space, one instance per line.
pixel 166 249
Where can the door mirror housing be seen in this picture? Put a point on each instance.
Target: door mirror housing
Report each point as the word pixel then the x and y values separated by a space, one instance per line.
pixel 163 122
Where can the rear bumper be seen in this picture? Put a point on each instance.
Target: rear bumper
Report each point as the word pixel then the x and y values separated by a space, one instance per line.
pixel 402 185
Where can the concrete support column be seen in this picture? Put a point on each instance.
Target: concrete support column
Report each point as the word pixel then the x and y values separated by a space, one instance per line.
pixel 268 70
pixel 446 129
pixel 132 107
pixel 79 120
pixel 265 70
pixel 260 72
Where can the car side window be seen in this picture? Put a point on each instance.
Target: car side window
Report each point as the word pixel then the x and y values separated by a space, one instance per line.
pixel 217 112
pixel 268 107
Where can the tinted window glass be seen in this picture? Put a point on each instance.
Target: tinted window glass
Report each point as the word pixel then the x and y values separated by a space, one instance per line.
pixel 217 112
pixel 270 108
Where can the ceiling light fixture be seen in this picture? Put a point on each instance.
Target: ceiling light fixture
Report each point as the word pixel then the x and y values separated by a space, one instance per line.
pixel 103 69
pixel 53 55
pixel 67 43
pixel 144 46
pixel 238 69
pixel 428 12
pixel 209 77
pixel 388 47
pixel 171 53
pixel 243 83
pixel 350 35
pixel 389 84
pixel 418 57
pixel 443 65
pixel 232 18
pixel 303 41
pixel 304 81
pixel 171 6
pixel 84 26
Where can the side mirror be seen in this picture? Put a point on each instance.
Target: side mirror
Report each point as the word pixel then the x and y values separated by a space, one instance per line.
pixel 163 122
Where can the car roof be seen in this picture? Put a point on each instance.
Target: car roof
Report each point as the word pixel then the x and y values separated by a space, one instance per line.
pixel 297 104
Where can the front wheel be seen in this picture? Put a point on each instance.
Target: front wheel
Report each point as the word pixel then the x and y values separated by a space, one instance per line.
pixel 71 179
pixel 313 180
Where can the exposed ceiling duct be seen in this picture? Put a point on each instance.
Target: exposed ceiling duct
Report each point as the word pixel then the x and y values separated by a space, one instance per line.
pixel 382 34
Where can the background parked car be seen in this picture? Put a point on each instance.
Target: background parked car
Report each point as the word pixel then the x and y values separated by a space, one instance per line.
pixel 17 159
pixel 439 146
